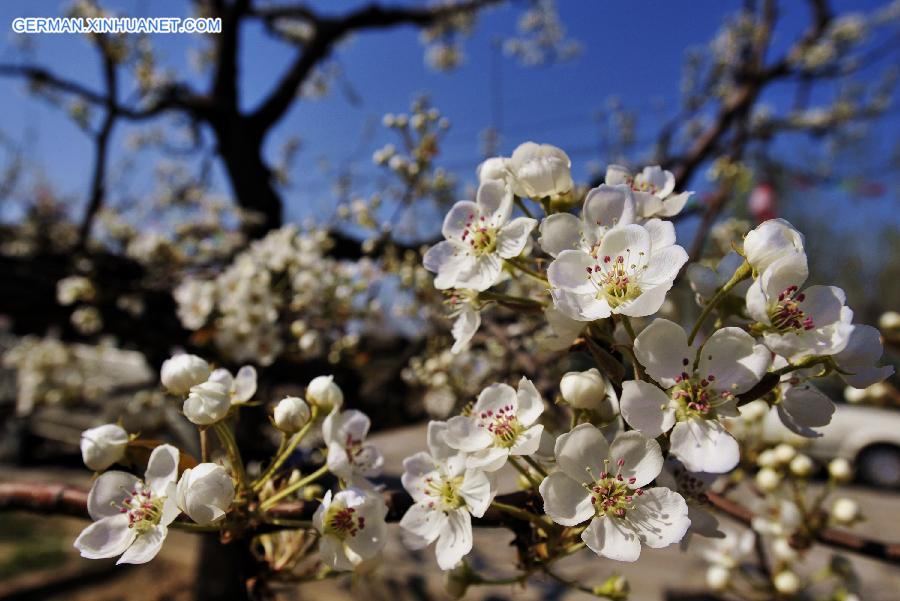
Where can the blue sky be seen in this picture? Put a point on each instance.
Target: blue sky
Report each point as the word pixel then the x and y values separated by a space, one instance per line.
pixel 632 50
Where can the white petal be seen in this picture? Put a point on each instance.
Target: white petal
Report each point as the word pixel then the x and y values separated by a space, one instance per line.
pixel 732 356
pixel 565 330
pixel 108 493
pixel 580 306
pixel 704 446
pixel 790 270
pixel 477 490
pixel 662 233
pixel 673 204
pixel 531 405
pixel 105 538
pixel 528 441
pixel 565 500
pixel 612 538
pixel 641 458
pixel 415 469
pixel 162 468
pixel 496 397
pixel 455 540
pixel 805 407
pixel 663 350
pixel 648 303
pixel 490 459
pixel 223 377
pixel 464 328
pixel 617 174
pixel 664 265
pixel 436 439
pixel 479 273
pixel 630 241
pixel 333 554
pixel 646 408
pixel 445 259
pixel 423 524
pixel 608 206
pixel 860 358
pixel 581 452
pixel 465 434
pixel 569 271
pixel 559 232
pixel 459 215
pixel 513 237
pixel 660 517
pixel 145 547
pixel 244 384
pixel 494 202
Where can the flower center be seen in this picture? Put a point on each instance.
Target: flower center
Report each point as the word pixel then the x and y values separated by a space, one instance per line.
pixel 695 396
pixel 786 315
pixel 612 494
pixel 144 510
pixel 480 235
pixel 616 279
pixel 444 492
pixel 502 424
pixel 360 455
pixel 343 522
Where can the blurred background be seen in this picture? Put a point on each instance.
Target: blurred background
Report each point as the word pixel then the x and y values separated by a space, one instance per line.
pixel 263 195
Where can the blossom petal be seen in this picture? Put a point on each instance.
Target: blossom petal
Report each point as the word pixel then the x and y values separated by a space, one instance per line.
pixel 569 271
pixel 632 242
pixel 466 434
pixel 490 459
pixel 566 501
pixel 663 350
pixel 530 403
pixel 528 441
pixel 512 238
pixel 805 407
pixel 580 452
pixel 662 233
pixel 457 219
pixel 660 517
pixel 704 445
pixel 733 358
pixel 648 303
pixel 464 328
pixel 613 538
pixel 664 265
pixel 108 493
pixel 244 384
pixel 145 547
pixel 608 206
pixel 479 273
pixel 559 232
pixel 617 174
pixel 496 397
pixel 646 408
pixel 673 204
pixel 494 201
pixel 422 525
pixel 641 458
pixel 455 540
pixel 105 538
pixel 860 356
pixel 162 468
pixel 477 489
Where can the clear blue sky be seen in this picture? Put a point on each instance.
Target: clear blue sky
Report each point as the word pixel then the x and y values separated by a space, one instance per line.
pixel 632 49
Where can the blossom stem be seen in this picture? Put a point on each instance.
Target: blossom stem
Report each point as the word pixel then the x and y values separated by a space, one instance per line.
pixel 518 264
pixel 195 527
pixel 226 437
pixel 524 471
pixel 292 488
pixel 535 465
pixel 517 302
pixel 574 585
pixel 521 514
pixel 521 204
pixel 740 274
pixel 289 523
pixel 286 450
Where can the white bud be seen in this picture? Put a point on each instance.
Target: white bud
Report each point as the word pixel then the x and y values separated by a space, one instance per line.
pixel 840 470
pixel 325 394
pixel 889 320
pixel 291 414
pixel 103 446
pixel 767 459
pixel 802 466
pixel 845 511
pixel 205 493
pixel 854 395
pixel 207 403
pixel 586 390
pixel 755 410
pixel 540 170
pixel 783 550
pixel 770 241
pixel 784 453
pixel 767 479
pixel 786 582
pixel 181 372
pixel 718 577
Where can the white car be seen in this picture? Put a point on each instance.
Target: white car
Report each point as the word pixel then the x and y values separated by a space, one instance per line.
pixel 867 436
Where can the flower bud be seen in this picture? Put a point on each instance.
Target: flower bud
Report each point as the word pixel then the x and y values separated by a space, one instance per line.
pixel 181 372
pixel 840 470
pixel 767 479
pixel 845 511
pixel 755 410
pixel 540 170
pixel 783 550
pixel 770 241
pixel 291 414
pixel 103 446
pixel 718 577
pixel 802 466
pixel 615 587
pixel 854 395
pixel 784 453
pixel 586 390
pixel 207 403
pixel 767 459
pixel 324 394
pixel 889 320
pixel 205 493
pixel 786 582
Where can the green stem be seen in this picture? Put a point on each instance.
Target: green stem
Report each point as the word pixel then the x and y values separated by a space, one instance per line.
pixel 741 273
pixel 226 437
pixel 288 523
pixel 285 452
pixel 195 527
pixel 521 204
pixel 518 264
pixel 518 302
pixel 628 327
pixel 521 514
pixel 535 465
pixel 524 471
pixel 292 488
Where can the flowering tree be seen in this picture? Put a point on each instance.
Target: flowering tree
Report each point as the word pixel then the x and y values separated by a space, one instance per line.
pixel 652 428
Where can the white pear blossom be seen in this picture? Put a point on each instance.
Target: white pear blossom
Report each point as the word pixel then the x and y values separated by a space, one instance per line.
pixel 196 300
pixel 770 241
pixel 465 307
pixel 796 323
pixel 131 516
pixel 179 373
pixel 350 458
pixel 204 493
pixel 291 414
pixel 692 399
pixel 103 446
pixel 539 171
pixel 502 423
pixel 858 363
pixel 627 274
pixel 207 403
pixel 478 236
pixel 653 190
pixel 323 393
pixel 590 390
pixel 446 495
pixel 352 527
pixel 604 483
pixel 241 387
pixel 605 207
